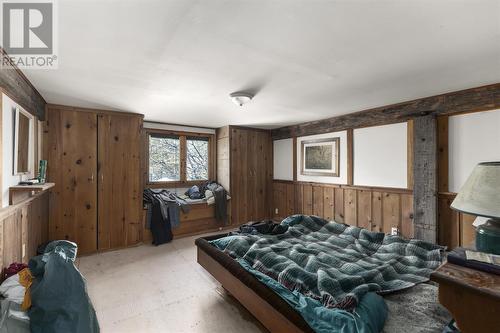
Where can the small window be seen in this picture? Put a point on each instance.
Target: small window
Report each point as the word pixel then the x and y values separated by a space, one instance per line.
pixel 178 158
pixel 164 159
pixel 197 159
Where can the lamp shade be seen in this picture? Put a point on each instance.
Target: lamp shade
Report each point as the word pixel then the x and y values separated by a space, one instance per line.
pixel 480 195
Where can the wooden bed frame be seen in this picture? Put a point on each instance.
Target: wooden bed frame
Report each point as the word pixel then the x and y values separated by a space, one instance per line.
pixel 267 314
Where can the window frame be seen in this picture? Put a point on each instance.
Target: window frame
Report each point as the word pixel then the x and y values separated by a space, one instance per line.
pixel 183 136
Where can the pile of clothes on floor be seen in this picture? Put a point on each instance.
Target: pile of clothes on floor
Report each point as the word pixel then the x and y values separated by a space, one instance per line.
pixel 164 207
pixel 163 213
pixel 47 295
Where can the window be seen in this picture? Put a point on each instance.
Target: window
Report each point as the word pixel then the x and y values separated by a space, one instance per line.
pixel 164 158
pixel 175 158
pixel 197 159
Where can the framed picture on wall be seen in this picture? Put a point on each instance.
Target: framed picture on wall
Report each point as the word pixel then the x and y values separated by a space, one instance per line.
pixel 320 157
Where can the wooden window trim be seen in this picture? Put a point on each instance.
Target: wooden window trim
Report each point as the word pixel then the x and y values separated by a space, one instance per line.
pixel 183 136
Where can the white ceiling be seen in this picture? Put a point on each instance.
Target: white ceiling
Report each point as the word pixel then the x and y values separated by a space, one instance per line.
pixel 177 61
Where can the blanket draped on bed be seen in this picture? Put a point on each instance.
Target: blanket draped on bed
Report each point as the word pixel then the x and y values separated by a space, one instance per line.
pixel 336 263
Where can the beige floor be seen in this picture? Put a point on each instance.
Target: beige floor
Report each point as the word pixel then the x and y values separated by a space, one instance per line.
pixel 160 289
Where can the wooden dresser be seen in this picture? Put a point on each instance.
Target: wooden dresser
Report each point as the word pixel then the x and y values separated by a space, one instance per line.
pixel 471 296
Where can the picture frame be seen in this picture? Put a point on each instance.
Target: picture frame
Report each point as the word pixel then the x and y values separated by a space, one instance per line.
pixel 320 157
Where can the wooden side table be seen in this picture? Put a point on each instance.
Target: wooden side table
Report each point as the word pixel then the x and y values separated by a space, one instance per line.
pixel 471 296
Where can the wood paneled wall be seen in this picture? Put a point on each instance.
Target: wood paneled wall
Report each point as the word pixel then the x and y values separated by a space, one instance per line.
pixel 455 228
pixel 377 209
pixel 23 227
pixel 430 154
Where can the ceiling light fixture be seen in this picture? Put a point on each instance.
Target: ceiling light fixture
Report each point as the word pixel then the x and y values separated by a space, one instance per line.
pixel 240 98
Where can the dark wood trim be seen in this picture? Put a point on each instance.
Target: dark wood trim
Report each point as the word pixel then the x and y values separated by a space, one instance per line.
pixel 285 181
pixel 409 154
pixel 463 101
pixel 442 142
pixel 350 157
pixel 183 159
pixel 17 86
pixel 348 187
pixel 294 154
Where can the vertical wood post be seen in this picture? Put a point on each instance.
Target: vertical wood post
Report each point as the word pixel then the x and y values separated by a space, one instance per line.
pixel 350 157
pixel 425 178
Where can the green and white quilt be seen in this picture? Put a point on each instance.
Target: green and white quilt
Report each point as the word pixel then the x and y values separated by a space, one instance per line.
pixel 334 263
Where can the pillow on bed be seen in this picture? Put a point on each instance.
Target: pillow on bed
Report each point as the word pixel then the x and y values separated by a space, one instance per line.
pixel 222 242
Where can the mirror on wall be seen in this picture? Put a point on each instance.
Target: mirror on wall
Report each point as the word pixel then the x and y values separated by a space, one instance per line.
pixel 23 125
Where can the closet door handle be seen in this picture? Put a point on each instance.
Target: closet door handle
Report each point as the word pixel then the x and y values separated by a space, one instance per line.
pixel 92 178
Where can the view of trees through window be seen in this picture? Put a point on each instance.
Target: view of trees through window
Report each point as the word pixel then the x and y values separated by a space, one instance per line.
pixel 165 158
pixel 197 159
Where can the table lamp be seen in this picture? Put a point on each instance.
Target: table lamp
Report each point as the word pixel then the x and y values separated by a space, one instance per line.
pixel 480 195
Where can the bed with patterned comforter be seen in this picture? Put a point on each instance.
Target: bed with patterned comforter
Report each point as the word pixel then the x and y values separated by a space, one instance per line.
pixel 334 263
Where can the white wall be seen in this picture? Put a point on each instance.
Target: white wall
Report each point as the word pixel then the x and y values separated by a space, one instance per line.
pixel 8 177
pixel 380 156
pixel 283 159
pixel 342 179
pixel 472 138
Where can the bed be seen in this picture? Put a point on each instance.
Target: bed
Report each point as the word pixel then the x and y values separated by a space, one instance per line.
pixel 276 314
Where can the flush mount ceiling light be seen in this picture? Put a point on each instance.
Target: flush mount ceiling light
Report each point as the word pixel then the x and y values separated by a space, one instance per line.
pixel 240 98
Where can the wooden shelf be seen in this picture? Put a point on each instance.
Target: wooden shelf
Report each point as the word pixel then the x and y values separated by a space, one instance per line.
pixel 20 192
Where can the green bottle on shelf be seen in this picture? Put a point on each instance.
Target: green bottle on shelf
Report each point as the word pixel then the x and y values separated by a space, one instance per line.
pixel 42 171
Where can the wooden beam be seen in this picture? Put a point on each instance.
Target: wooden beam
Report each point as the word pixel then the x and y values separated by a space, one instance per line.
pixel 470 100
pixel 425 178
pixel 15 84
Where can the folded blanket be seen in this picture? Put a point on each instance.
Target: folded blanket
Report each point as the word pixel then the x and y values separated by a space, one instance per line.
pixel 336 263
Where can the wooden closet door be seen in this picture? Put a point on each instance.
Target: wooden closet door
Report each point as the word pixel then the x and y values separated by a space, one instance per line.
pixel 252 184
pixel 120 193
pixel 262 178
pixel 239 175
pixel 71 142
pixel 251 174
